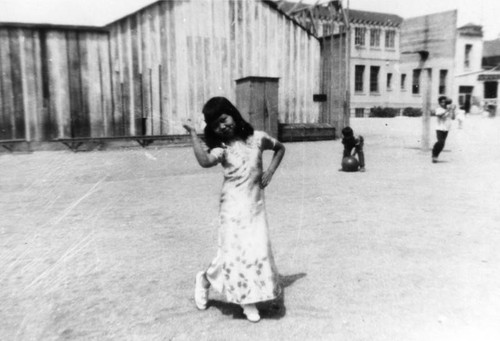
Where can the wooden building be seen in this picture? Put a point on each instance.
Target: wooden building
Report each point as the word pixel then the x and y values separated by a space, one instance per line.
pixel 146 73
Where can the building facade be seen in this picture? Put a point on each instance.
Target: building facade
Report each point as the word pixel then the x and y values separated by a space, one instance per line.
pixel 490 76
pixel 374 61
pixel 467 90
pixel 428 50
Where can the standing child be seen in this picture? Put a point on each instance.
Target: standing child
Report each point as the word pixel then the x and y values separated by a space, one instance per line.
pixel 351 143
pixel 460 117
pixel 244 268
pixel 445 113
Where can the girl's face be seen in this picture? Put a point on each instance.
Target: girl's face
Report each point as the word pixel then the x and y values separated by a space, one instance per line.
pixel 224 126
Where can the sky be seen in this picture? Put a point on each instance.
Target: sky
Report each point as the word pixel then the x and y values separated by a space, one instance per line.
pixel 102 12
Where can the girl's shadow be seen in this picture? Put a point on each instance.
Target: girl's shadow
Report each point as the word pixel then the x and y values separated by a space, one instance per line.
pixel 274 309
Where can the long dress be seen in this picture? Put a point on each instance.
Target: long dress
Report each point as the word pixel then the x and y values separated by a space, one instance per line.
pixel 244 268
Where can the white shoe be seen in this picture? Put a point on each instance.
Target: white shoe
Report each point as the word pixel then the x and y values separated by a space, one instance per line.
pixel 200 292
pixel 251 312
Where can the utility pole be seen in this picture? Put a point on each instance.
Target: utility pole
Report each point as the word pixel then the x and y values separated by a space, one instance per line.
pixel 426 89
pixel 426 100
pixel 347 97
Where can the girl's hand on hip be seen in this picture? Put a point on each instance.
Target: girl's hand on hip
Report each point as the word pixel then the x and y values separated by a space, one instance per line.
pixel 266 179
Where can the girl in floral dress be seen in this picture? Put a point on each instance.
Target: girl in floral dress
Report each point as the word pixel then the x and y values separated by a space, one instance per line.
pixel 244 268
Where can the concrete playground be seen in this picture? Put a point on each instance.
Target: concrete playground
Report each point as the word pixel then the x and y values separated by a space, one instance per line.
pixel 104 245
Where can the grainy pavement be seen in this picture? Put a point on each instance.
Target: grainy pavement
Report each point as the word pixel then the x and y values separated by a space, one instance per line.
pixel 104 245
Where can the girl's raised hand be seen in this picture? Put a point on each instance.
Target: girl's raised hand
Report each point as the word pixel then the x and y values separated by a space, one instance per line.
pixel 188 125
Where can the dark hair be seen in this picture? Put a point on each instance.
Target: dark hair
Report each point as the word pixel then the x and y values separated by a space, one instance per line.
pixel 347 131
pixel 212 110
pixel 442 98
pixel 348 140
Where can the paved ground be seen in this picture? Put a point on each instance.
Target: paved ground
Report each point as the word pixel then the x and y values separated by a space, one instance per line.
pixel 104 245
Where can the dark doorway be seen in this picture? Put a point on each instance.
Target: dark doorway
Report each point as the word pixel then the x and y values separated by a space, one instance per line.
pixel 490 89
pixel 464 97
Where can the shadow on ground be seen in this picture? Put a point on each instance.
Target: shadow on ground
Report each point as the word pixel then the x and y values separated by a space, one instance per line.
pixel 274 309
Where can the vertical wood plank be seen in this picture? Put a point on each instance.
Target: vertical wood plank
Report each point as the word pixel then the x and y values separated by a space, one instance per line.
pixel 240 38
pixel 40 110
pixel 165 74
pixel 227 57
pixel 106 85
pixel 60 74
pixel 193 43
pixel 246 40
pixel 172 68
pixel 182 86
pixel 28 70
pixel 82 125
pixel 2 124
pixel 116 68
pixel 17 118
pixel 233 60
pixel 155 75
pixel 128 78
pixel 93 82
pixel 136 76
pixel 6 81
pixel 144 37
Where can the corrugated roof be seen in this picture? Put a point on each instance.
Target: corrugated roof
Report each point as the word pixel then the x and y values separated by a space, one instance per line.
pixel 374 18
pixel 355 16
pixel 470 25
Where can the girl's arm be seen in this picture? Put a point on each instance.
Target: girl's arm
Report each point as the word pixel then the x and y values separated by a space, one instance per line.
pixel 204 158
pixel 279 152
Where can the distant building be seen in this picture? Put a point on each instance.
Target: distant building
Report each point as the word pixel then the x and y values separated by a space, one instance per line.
pixel 467 90
pixel 374 51
pixel 428 43
pixel 490 77
pixel 491 54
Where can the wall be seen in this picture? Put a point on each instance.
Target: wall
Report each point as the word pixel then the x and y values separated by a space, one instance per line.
pixel 386 58
pixel 334 82
pixel 55 83
pixel 148 72
pixel 436 34
pixel 468 76
pixel 173 56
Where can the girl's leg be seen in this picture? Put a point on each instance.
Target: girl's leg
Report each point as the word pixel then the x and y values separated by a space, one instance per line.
pixel 251 312
pixel 439 145
pixel 201 286
pixel 361 157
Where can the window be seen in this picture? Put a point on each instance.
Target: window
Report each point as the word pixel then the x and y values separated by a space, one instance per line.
pixel 374 71
pixel 359 36
pixel 390 39
pixel 442 81
pixel 403 81
pixel 359 73
pixel 490 89
pixel 359 112
pixel 375 37
pixel 416 81
pixel 468 50
pixel 389 81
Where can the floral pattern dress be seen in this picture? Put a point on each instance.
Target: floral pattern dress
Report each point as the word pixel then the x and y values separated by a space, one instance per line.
pixel 244 268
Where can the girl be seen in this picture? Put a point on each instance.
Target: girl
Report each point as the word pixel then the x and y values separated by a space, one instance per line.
pixel 244 268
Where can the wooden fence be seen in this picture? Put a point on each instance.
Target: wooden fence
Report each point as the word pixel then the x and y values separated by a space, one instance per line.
pixel 55 83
